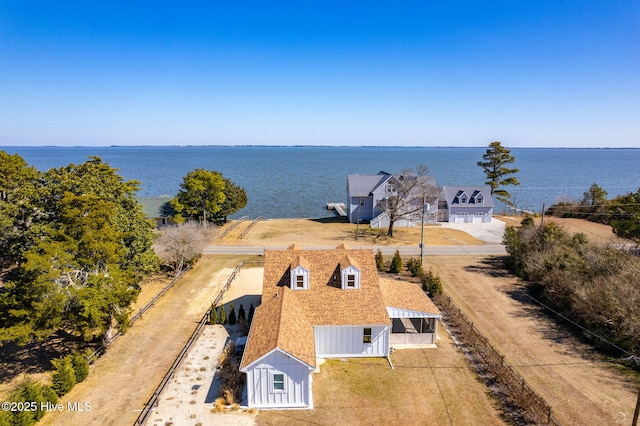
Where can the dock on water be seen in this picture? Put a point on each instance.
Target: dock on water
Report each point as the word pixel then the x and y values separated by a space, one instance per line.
pixel 339 208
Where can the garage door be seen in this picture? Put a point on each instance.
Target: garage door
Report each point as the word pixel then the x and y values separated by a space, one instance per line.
pixel 460 218
pixel 478 217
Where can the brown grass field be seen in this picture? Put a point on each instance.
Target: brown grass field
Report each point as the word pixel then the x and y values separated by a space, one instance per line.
pixel 335 231
pixel 432 384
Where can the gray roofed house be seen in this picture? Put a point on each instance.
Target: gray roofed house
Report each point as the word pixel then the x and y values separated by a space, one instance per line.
pixel 465 204
pixel 157 209
pixel 366 195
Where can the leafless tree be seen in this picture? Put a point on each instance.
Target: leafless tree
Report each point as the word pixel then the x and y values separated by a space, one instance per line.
pixel 410 191
pixel 180 245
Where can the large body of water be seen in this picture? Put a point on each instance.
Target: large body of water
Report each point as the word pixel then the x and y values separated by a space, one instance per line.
pixel 299 181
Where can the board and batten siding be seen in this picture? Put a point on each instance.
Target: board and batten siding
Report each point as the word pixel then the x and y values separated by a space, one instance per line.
pixel 297 382
pixel 347 341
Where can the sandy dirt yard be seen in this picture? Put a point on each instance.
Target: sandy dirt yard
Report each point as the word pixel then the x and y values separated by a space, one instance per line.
pixel 188 399
pixel 123 380
pixel 580 387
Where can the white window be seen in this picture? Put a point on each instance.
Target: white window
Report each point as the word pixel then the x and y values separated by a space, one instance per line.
pixel 277 382
pixel 299 278
pixel 366 335
pixel 350 277
pixel 351 280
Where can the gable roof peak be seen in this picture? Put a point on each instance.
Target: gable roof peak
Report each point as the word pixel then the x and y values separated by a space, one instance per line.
pixel 294 246
pixel 343 246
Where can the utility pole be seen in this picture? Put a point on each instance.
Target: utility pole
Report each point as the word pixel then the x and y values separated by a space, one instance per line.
pixel 422 232
pixel 637 412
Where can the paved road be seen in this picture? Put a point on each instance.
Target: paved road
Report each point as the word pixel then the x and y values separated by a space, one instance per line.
pixel 495 249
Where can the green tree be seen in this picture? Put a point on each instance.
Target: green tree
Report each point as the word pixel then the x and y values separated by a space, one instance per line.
pixel 222 318
pixel 82 272
pixel 19 189
pixel 431 283
pixel 235 199
pixel 232 315
pixel 80 366
pixel 495 161
pixel 396 263
pixel 201 194
pixel 379 260
pixel 624 212
pixel 594 204
pixel 64 377
pixel 252 310
pixel 32 392
pixel 242 315
pixel 213 315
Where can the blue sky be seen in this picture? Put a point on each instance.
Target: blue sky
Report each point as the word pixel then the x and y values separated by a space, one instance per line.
pixel 447 73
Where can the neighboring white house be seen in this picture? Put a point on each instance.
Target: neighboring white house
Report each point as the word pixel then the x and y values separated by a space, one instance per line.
pixel 366 196
pixel 465 204
pixel 326 304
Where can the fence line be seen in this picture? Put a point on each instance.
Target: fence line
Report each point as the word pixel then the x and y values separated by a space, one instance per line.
pixel 512 384
pixel 232 227
pixel 153 401
pixel 251 225
pixel 107 342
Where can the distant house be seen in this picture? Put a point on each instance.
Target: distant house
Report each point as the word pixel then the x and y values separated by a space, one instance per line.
pixel 326 304
pixel 465 204
pixel 157 209
pixel 367 194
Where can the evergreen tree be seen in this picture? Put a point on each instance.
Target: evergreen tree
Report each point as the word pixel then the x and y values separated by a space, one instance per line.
pixel 496 158
pixel 379 260
pixel 232 315
pixel 235 199
pixel 64 377
pixel 201 194
pixel 241 313
pixel 396 263
pixel 222 318
pixel 251 312
pixel 213 315
pixel 80 366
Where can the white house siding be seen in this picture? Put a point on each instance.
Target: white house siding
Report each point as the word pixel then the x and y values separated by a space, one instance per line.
pixel 346 341
pixel 297 387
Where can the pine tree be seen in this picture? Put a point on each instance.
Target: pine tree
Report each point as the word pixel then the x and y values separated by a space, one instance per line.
pixel 213 315
pixel 251 312
pixel 222 318
pixel 64 377
pixel 396 263
pixel 242 315
pixel 232 314
pixel 379 260
pixel 496 158
pixel 80 366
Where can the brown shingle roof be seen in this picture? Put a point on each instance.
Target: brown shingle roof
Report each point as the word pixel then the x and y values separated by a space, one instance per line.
pixel 280 323
pixel 325 302
pixel 404 295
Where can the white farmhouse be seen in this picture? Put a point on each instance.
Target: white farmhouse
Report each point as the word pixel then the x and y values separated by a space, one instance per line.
pixel 326 304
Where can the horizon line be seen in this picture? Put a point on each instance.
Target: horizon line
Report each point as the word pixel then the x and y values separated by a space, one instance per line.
pixel 302 146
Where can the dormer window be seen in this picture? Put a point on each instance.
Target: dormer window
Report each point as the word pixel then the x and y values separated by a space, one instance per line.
pixel 351 280
pixel 477 198
pixel 299 275
pixel 461 198
pixel 350 274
